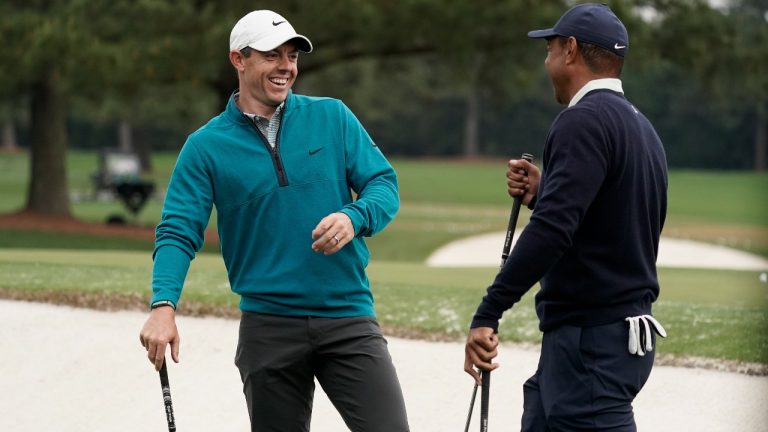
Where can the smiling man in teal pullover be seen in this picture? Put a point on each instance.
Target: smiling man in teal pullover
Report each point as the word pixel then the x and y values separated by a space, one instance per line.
pixel 297 183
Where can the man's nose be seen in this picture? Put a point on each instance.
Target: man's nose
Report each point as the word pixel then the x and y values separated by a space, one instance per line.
pixel 284 62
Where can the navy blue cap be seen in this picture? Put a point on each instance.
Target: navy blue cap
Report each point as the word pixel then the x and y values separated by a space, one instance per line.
pixel 592 23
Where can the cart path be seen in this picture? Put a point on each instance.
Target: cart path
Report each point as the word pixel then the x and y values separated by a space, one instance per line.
pixel 71 370
pixel 485 251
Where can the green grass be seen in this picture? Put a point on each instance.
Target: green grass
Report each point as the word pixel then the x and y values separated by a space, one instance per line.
pixel 714 313
pixel 419 229
pixel 57 240
pixel 449 182
pixel 731 198
pixel 444 200
pixel 726 208
pixel 14 168
pixel 708 313
pixel 46 240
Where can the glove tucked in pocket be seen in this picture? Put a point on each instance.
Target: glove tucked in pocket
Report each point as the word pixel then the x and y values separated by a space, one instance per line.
pixel 640 340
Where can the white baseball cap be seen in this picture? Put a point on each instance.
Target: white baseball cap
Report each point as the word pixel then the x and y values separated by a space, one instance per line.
pixel 264 30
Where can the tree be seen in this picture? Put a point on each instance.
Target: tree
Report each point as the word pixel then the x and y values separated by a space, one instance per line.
pixel 43 54
pixel 751 52
pixel 475 51
pixel 78 49
pixel 154 73
pixel 727 52
pixel 8 140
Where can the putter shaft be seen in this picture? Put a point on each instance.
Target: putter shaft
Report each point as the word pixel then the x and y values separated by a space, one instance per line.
pixel 471 406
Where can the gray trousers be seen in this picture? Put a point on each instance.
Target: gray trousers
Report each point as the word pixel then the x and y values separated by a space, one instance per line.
pixel 279 357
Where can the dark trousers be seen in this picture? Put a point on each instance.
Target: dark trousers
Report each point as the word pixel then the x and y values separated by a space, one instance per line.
pixel 279 358
pixel 586 381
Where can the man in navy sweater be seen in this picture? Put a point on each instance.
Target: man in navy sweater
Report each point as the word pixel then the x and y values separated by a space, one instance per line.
pixel 592 241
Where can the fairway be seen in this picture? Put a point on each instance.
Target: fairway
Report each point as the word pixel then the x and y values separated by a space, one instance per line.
pixel 441 201
pixel 708 313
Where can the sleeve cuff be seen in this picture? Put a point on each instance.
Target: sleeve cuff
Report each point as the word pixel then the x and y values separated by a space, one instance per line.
pixel 481 322
pixel 354 216
pixel 532 204
pixel 161 303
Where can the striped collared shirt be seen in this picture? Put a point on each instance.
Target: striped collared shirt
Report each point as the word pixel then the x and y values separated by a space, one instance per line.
pixel 269 127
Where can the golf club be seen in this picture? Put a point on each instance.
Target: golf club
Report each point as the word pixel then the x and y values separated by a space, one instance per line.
pixel 167 398
pixel 471 405
pixel 516 203
pixel 484 395
pixel 486 375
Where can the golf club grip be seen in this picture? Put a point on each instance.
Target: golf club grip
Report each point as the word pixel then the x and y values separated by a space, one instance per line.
pixel 516 203
pixel 484 396
pixel 167 398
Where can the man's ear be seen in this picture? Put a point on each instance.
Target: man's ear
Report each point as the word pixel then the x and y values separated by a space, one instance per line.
pixel 237 59
pixel 571 49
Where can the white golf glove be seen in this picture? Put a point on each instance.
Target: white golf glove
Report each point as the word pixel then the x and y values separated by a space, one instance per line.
pixel 640 340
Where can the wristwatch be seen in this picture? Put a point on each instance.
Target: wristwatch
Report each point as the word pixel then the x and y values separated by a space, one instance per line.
pixel 161 303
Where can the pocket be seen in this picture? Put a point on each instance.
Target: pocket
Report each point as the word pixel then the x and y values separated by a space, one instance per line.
pixel 365 326
pixel 605 354
pixel 248 322
pixel 568 344
pixel 375 327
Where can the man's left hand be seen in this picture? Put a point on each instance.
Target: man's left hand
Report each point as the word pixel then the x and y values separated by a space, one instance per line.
pixel 480 350
pixel 332 233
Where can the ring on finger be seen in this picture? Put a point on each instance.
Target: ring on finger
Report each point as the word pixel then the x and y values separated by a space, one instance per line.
pixel 336 237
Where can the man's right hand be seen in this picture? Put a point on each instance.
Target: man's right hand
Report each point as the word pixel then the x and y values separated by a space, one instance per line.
pixel 523 179
pixel 160 330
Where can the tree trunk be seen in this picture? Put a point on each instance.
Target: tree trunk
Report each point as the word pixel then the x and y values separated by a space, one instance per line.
pixel 9 144
pixel 471 143
pixel 125 137
pixel 48 193
pixel 143 148
pixel 761 138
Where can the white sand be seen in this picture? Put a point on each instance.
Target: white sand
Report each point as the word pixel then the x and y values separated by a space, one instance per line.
pixel 74 370
pixel 485 250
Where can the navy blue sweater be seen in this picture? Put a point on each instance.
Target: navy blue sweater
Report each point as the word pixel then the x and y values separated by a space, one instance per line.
pixel 593 236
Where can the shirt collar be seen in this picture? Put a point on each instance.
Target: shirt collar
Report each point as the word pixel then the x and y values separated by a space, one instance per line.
pixel 277 113
pixel 236 96
pixel 613 84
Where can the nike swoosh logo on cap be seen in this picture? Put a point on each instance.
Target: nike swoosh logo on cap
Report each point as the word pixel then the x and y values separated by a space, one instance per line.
pixel 617 46
pixel 277 23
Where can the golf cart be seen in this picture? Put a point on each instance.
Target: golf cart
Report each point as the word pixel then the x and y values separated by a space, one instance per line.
pixel 119 176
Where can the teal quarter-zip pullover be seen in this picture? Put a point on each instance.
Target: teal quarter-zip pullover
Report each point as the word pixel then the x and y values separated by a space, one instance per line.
pixel 268 201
